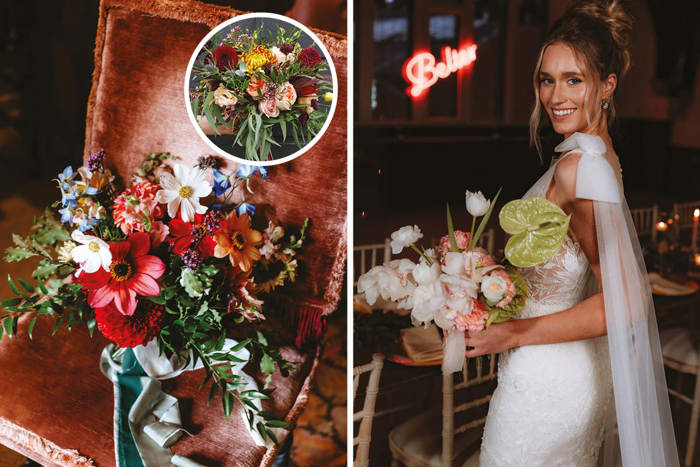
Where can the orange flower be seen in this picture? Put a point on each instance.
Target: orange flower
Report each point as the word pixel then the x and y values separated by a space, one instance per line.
pixel 238 241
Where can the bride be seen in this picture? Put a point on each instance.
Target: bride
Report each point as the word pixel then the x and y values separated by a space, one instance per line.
pixel 588 331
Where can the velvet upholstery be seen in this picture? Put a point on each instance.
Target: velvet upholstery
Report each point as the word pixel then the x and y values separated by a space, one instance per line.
pixel 136 107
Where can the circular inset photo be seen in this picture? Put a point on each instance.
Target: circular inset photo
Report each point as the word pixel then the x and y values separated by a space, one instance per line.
pixel 261 88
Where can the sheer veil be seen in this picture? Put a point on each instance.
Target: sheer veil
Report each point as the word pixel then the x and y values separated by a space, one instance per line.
pixel 643 415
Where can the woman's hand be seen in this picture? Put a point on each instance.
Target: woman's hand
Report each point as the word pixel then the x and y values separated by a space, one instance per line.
pixel 495 339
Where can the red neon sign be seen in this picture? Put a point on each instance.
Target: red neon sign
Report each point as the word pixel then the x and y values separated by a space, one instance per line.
pixel 422 72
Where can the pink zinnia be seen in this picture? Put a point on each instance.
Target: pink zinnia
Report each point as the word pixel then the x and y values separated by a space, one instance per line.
pixel 136 206
pixel 510 287
pixel 132 272
pixel 474 321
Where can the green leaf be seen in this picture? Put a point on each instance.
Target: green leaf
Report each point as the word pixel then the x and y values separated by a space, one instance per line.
pixel 45 269
pixel 240 345
pixel 208 102
pixel 91 326
pixel 16 253
pixel 272 436
pixel 261 338
pixel 11 302
pixel 14 288
pixel 31 326
pixel 7 324
pixel 484 221
pixel 283 127
pixel 27 286
pixel 277 424
pixel 267 364
pixel 538 228
pixel 451 230
pixel 212 392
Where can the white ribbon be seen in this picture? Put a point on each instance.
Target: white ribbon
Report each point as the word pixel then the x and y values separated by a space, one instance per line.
pixel 453 352
pixel 157 366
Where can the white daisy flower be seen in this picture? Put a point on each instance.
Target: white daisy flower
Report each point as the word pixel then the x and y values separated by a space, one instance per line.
pixel 91 254
pixel 183 191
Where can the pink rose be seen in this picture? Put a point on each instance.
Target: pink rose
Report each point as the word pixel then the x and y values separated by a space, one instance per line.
pixel 285 96
pixel 461 238
pixel 269 107
pixel 510 287
pixel 474 321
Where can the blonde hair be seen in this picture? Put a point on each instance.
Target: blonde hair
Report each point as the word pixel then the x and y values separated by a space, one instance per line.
pixel 598 33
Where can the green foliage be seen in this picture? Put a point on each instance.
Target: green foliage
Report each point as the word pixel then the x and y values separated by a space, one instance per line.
pixel 499 315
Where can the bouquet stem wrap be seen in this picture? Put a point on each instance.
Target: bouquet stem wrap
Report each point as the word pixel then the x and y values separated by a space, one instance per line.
pixel 147 420
pixel 453 352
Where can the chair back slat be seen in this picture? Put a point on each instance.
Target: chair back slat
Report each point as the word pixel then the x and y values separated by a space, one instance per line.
pixel 449 388
pixel 684 211
pixel 644 220
pixel 369 256
pixel 366 415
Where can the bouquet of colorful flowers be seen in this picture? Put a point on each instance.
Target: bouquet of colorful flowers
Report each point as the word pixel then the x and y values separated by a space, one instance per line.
pixel 249 85
pixel 457 285
pixel 170 263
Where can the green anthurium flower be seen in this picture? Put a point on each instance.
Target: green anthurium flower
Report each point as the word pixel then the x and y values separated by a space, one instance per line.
pixel 538 228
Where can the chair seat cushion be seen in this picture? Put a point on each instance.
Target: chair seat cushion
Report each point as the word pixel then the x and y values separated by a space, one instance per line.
pixel 678 345
pixel 419 440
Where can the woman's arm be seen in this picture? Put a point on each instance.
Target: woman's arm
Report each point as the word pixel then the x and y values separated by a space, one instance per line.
pixel 582 321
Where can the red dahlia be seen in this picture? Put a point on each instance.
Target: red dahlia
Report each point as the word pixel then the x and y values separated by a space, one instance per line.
pixel 309 57
pixel 184 234
pixel 130 331
pixel 226 57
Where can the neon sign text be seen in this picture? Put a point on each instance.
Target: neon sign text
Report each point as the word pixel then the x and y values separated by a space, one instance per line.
pixel 422 72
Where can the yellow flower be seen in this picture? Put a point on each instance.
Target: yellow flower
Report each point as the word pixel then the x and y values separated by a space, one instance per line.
pixel 258 57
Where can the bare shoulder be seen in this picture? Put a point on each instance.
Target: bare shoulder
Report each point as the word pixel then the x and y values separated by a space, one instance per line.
pixel 565 179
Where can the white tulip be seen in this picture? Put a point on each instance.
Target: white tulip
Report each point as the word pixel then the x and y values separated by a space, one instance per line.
pixel 427 299
pixel 404 237
pixel 477 204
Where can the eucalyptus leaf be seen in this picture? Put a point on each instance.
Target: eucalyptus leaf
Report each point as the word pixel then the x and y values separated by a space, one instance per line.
pixel 538 228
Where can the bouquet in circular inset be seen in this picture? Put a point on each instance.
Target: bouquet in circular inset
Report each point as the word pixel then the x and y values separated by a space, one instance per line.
pixel 263 87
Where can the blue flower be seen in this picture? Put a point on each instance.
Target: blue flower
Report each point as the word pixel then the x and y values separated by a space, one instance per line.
pixel 66 214
pixel 68 199
pixel 245 171
pixel 87 224
pixel 91 190
pixel 221 183
pixel 66 175
pixel 245 208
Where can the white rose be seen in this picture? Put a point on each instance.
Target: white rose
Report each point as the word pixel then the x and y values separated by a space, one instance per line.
pixel 224 97
pixel 454 263
pixel 424 274
pixel 403 237
pixel 493 288
pixel 279 55
pixel 477 204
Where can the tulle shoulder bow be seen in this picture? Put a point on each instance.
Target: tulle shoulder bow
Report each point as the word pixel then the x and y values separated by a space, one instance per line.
pixel 595 177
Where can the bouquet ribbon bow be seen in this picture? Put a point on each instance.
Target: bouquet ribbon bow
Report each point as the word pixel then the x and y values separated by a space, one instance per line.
pixel 147 420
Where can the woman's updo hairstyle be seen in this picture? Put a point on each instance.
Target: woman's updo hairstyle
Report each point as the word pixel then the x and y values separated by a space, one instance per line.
pixel 598 32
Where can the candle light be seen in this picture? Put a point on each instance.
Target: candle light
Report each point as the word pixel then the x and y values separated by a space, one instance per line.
pixel 661 226
pixel 697 259
pixel 694 237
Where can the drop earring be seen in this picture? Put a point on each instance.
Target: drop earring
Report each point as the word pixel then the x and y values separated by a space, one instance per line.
pixel 605 105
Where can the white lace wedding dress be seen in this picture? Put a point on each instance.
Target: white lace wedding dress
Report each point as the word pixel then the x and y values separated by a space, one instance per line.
pixel 550 406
